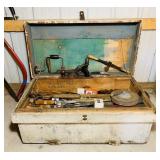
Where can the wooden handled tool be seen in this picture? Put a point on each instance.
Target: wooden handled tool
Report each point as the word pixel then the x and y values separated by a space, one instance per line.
pixel 107 63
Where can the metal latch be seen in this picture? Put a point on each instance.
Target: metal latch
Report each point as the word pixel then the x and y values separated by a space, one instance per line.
pixel 84 117
pixel 81 14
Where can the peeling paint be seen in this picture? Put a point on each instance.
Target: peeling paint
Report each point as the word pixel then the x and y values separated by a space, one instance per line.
pixel 118 51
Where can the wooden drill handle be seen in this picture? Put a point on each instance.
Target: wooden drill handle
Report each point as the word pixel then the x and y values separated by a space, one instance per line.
pixel 92 57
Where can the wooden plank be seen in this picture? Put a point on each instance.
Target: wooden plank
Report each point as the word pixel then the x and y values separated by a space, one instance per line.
pixel 148 85
pixel 24 107
pixel 14 26
pixel 60 85
pixel 17 26
pixel 149 24
pixel 144 85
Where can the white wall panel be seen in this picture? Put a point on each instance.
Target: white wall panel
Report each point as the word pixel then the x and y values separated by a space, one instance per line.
pixel 7 11
pixel 24 12
pixel 126 12
pixel 145 55
pixel 72 13
pixel 46 13
pixel 100 13
pixel 17 41
pixel 5 14
pixel 147 12
pixel 21 12
pixel 6 60
pixel 10 68
pixel 19 45
pixel 152 76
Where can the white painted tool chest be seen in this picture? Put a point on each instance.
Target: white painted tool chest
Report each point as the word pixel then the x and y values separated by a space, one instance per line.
pixel 116 41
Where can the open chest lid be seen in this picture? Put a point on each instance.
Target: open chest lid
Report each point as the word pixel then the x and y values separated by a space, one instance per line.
pixel 115 41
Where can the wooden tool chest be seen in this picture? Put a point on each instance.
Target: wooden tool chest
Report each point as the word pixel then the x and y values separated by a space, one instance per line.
pixel 44 121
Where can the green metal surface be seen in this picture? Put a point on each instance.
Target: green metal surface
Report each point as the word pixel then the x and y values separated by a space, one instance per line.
pixel 75 41
pixel 74 52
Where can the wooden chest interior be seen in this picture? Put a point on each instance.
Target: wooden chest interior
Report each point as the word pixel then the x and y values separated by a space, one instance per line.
pixel 67 89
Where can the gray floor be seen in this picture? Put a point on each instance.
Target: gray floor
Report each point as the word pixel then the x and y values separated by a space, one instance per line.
pixel 13 142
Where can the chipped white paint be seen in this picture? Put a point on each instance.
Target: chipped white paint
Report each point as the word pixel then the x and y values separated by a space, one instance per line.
pixel 77 117
pixel 85 133
pixel 71 127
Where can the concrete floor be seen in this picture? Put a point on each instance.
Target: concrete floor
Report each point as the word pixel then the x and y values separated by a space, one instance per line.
pixel 13 142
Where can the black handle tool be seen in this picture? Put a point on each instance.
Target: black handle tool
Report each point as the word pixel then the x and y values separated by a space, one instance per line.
pixel 48 62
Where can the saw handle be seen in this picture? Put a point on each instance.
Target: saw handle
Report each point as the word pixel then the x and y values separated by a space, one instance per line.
pixel 48 62
pixel 55 56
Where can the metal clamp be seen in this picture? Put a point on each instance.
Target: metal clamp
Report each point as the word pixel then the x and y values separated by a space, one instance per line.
pixel 81 14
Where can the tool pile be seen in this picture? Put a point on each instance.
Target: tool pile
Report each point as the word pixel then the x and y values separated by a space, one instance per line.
pixel 85 98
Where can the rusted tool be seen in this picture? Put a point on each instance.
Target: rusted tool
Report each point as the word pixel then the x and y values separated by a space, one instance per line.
pixel 83 68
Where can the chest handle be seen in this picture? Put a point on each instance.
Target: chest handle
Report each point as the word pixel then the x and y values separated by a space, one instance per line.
pixel 84 117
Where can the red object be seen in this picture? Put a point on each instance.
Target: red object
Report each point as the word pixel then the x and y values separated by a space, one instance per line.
pixel 20 65
pixel 90 92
